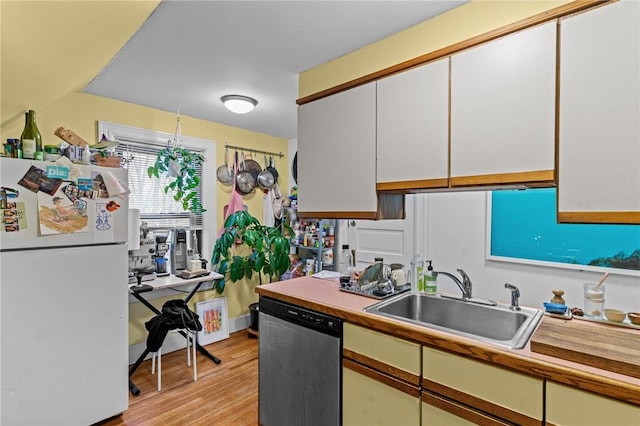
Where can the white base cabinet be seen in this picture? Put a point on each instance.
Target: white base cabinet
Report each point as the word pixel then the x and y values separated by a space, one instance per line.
pixel 599 135
pixel 392 381
pixel 381 379
pixel 368 401
pixel 438 411
pixel 484 387
pixel 570 406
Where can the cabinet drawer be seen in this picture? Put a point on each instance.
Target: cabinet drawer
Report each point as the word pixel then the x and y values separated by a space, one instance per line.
pixel 437 411
pixel 497 391
pixel 386 353
pixel 569 406
pixel 368 401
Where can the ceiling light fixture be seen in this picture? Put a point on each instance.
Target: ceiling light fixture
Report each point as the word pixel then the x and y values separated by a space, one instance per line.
pixel 238 103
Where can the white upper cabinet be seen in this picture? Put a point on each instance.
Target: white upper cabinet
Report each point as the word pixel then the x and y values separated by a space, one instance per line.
pixel 503 110
pixel 337 155
pixel 599 135
pixel 412 128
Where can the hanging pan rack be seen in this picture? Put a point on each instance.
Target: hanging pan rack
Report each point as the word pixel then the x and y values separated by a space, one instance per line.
pixel 255 151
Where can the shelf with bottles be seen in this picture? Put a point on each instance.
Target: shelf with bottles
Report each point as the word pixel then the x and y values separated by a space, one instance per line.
pixel 311 238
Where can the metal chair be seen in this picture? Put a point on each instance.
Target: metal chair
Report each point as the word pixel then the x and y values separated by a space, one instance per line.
pixel 192 339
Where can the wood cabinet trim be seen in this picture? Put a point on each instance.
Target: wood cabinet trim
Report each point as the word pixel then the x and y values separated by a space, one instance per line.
pixel 533 178
pixel 337 215
pixel 560 11
pixel 412 184
pixel 480 404
pixel 413 379
pixel 382 378
pixel 624 218
pixel 460 410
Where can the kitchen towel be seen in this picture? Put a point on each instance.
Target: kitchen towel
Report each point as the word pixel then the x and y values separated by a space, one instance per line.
pixel 235 203
pixel 267 212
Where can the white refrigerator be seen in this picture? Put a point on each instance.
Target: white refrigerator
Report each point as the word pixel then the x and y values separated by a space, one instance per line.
pixel 63 293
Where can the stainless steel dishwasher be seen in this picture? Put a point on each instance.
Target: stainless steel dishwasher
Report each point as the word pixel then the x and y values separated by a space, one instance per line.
pixel 300 373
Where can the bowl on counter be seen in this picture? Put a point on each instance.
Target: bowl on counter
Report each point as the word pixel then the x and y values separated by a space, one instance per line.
pixel 634 317
pixel 615 315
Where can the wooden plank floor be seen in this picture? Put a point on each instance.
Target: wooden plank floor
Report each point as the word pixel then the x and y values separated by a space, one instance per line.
pixel 224 394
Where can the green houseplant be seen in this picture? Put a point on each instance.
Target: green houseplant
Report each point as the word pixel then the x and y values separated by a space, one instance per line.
pixel 247 249
pixel 183 166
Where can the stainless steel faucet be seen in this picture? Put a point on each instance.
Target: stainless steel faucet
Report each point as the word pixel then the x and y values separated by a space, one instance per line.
pixel 515 296
pixel 465 285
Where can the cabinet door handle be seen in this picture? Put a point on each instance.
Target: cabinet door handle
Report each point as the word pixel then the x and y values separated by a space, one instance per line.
pixel 353 223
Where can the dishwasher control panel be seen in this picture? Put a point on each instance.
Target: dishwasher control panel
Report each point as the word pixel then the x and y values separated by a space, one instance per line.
pixel 319 320
pixel 301 316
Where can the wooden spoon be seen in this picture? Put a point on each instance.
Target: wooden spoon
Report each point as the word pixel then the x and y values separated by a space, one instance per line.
pixel 604 277
pixel 595 293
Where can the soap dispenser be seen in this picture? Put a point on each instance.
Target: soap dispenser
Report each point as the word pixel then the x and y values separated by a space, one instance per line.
pixel 431 281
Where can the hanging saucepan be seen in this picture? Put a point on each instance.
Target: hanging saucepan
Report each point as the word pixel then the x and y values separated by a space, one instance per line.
pixel 294 168
pixel 272 169
pixel 252 166
pixel 265 178
pixel 225 172
pixel 245 182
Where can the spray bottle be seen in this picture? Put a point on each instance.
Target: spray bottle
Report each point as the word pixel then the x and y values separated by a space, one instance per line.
pixel 416 273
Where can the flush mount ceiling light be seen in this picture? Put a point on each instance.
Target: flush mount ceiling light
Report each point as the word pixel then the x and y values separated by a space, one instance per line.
pixel 238 103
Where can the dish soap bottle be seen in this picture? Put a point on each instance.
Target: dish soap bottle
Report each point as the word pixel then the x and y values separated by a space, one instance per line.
pixel 431 281
pixel 415 273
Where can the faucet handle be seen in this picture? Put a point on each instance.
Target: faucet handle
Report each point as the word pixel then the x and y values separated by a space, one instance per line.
pixel 465 277
pixel 466 284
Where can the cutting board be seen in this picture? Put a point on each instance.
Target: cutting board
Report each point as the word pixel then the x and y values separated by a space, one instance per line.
pixel 600 346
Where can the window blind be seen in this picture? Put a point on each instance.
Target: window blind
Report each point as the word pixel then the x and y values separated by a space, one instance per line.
pixel 158 209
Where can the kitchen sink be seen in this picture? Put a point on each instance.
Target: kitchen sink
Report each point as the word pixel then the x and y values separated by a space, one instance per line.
pixel 497 325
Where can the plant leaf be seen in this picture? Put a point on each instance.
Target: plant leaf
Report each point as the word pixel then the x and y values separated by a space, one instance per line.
pixel 220 284
pixel 236 271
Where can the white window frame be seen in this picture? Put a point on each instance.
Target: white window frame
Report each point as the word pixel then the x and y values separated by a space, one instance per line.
pixel 121 132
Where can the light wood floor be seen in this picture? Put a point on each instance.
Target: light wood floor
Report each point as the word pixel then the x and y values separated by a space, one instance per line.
pixel 224 394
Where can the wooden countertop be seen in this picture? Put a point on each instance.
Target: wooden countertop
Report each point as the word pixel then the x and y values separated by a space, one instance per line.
pixel 324 296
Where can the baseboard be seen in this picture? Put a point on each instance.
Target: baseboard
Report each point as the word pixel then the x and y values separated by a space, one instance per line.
pixel 174 341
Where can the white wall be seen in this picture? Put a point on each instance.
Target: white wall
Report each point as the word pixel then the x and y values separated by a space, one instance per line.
pixel 455 238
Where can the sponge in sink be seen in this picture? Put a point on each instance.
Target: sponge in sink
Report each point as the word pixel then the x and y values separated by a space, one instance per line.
pixel 555 308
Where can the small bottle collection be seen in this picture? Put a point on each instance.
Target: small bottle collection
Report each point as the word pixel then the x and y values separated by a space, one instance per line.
pixel 30 146
pixel 312 244
pixel 312 234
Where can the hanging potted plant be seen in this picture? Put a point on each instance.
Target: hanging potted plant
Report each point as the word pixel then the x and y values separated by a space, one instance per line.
pixel 182 165
pixel 246 249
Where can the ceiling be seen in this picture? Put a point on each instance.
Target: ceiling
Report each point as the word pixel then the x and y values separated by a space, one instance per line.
pixel 190 53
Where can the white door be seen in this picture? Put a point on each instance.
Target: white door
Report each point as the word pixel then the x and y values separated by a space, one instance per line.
pixel 393 240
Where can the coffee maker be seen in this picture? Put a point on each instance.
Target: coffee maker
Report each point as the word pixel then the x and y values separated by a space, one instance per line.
pixel 162 248
pixel 178 250
pixel 142 259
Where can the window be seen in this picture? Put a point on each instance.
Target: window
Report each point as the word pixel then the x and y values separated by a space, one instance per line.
pixel 139 148
pixel 522 227
pixel 157 208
